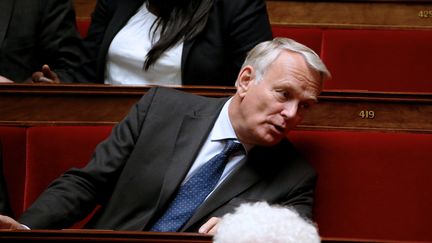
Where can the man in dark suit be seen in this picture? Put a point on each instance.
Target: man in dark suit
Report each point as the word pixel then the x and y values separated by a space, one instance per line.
pixel 38 32
pixel 169 135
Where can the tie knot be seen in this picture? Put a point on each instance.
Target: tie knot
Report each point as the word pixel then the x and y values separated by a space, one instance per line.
pixel 231 147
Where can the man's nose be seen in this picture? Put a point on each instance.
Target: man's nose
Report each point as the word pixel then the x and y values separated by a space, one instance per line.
pixel 290 110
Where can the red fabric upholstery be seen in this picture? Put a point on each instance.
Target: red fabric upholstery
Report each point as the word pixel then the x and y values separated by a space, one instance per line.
pixel 83 25
pixel 378 60
pixel 371 185
pixel 310 37
pixel 53 150
pixel 13 140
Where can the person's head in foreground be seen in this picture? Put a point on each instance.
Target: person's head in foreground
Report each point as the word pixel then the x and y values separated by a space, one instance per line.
pixel 262 223
pixel 279 81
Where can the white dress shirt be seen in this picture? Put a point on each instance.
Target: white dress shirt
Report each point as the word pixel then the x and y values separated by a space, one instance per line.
pixel 128 51
pixel 214 144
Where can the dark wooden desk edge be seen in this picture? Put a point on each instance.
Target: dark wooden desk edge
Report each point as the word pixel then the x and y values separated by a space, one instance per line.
pixel 136 236
pixel 102 235
pixel 212 91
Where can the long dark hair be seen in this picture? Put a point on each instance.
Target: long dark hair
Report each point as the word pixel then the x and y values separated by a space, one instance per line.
pixel 177 19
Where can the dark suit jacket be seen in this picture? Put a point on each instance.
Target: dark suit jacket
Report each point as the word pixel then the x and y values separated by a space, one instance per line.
pixel 135 172
pixel 37 32
pixel 213 58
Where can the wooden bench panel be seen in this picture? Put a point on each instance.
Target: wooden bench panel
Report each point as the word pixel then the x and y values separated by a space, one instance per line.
pixel 333 14
pixel 106 105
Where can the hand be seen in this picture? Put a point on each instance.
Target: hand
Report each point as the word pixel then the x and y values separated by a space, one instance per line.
pixel 210 227
pixel 4 80
pixel 9 223
pixel 45 76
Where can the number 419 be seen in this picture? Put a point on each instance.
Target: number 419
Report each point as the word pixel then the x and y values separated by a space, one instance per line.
pixel 364 114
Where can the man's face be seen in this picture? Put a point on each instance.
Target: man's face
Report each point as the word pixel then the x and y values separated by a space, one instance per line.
pixel 270 109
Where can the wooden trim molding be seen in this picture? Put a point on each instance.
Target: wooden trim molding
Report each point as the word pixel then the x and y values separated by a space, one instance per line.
pixel 351 14
pixel 101 236
pixel 89 236
pixel 400 14
pixel 66 104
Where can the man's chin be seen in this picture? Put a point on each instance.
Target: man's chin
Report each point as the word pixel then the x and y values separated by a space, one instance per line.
pixel 271 140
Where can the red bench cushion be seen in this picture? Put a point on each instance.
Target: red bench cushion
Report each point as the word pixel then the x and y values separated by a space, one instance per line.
pixel 378 60
pixel 53 150
pixel 83 25
pixel 371 185
pixel 13 140
pixel 310 37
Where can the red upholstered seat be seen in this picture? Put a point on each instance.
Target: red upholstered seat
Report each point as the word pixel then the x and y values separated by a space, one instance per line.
pixel 53 150
pixel 371 185
pixel 83 25
pixel 310 37
pixel 378 60
pixel 13 140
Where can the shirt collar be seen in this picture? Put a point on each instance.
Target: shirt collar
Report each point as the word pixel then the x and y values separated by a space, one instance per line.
pixel 223 128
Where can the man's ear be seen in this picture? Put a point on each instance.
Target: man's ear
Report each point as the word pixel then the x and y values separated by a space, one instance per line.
pixel 245 78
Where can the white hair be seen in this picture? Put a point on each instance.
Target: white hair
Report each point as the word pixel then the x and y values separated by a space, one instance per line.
pixel 262 223
pixel 265 53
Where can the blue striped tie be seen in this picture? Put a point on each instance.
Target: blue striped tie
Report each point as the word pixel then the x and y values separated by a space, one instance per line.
pixel 192 193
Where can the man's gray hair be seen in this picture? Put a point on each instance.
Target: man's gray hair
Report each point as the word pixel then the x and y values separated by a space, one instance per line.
pixel 265 53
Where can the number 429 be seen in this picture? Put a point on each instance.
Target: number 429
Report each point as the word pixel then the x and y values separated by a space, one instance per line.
pixel 425 14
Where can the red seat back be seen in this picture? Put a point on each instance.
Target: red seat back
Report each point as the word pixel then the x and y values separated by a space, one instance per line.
pixel 310 37
pixel 83 25
pixel 53 150
pixel 13 140
pixel 371 185
pixel 378 60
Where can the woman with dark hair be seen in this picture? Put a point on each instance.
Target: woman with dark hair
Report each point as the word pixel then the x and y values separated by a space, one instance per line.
pixel 197 42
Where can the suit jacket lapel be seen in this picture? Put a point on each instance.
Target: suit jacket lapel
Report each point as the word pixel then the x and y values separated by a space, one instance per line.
pixel 191 136
pixel 189 139
pixel 7 9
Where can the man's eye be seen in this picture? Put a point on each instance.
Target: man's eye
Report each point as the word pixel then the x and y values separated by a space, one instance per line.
pixel 283 94
pixel 304 106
